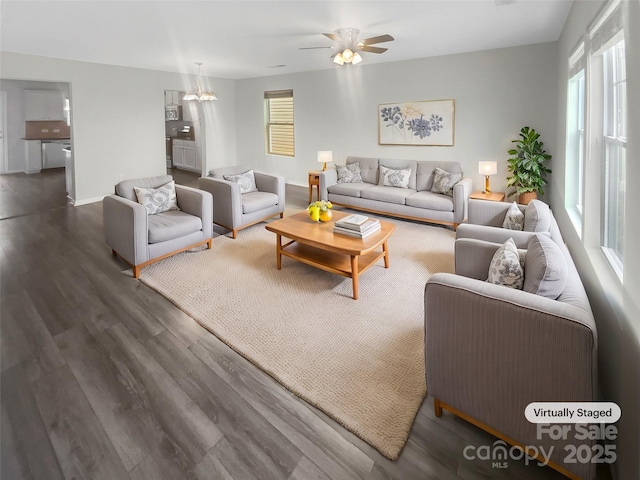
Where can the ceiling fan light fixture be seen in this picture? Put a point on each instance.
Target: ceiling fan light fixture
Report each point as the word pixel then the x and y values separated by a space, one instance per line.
pixel 347 54
pixel 338 59
pixel 357 58
pixel 198 93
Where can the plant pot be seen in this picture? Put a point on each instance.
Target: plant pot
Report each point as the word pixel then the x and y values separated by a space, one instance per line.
pixel 525 198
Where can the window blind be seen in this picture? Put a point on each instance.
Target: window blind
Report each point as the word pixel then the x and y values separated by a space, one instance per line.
pixel 279 124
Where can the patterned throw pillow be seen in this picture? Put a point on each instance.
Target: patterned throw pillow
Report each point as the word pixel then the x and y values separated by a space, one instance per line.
pixel 444 181
pixel 158 200
pixel 246 180
pixel 391 177
pixel 505 268
pixel 349 173
pixel 514 219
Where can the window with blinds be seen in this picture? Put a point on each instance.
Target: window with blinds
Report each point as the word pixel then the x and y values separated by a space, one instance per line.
pixel 278 107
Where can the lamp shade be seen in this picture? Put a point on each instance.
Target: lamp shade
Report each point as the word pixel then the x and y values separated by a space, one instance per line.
pixel 487 168
pixel 325 156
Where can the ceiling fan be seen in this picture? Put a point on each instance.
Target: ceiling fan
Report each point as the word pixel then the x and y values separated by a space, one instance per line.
pixel 348 46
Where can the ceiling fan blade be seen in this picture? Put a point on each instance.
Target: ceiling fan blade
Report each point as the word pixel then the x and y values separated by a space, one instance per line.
pixel 369 49
pixel 379 39
pixel 312 48
pixel 333 36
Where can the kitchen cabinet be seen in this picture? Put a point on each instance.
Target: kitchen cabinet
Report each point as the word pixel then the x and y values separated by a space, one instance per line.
pixel 186 155
pixel 45 105
pixel 33 156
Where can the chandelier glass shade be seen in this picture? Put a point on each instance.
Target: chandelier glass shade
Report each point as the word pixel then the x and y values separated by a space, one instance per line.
pixel 198 93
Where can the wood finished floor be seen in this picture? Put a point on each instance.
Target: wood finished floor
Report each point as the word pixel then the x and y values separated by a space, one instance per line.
pixel 101 377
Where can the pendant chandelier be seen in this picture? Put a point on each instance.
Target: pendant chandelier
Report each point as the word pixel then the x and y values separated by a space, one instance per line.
pixel 199 94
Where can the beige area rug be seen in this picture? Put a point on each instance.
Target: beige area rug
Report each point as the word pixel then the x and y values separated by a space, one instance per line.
pixel 360 361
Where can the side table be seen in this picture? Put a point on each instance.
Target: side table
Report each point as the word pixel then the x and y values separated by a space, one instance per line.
pixel 314 179
pixel 492 197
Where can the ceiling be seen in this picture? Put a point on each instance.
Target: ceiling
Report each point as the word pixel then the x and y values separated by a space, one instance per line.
pixel 243 39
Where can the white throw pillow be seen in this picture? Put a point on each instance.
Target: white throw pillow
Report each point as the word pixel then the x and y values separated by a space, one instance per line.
pixel 537 217
pixel 158 200
pixel 444 181
pixel 391 177
pixel 514 219
pixel 505 268
pixel 246 180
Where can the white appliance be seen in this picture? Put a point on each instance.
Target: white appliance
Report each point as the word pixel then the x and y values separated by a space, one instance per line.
pixel 52 154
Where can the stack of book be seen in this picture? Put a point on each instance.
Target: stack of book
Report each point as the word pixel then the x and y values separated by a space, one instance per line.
pixel 359 226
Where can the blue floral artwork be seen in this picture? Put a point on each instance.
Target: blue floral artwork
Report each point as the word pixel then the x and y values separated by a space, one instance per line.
pixel 416 123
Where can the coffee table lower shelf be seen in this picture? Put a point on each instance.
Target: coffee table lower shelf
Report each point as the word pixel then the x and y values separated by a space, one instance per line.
pixel 350 266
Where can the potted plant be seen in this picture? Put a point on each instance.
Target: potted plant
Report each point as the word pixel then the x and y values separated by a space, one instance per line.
pixel 526 166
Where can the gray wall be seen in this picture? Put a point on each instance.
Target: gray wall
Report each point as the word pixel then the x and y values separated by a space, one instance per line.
pixel 496 93
pixel 17 115
pixel 615 306
pixel 118 118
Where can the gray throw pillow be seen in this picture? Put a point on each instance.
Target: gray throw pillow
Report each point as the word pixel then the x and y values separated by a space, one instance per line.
pixel 505 268
pixel 246 180
pixel 545 268
pixel 349 173
pixel 514 219
pixel 537 217
pixel 158 200
pixel 392 177
pixel 444 181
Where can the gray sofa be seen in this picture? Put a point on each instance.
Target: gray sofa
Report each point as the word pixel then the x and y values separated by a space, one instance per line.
pixel 416 202
pixel 491 350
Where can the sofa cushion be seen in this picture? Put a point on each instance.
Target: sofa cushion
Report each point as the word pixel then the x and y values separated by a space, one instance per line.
pixel 220 172
pixel 514 218
pixel 537 217
pixel 254 201
pixel 349 173
pixel 444 181
pixel 158 200
pixel 349 189
pixel 545 268
pixel 398 164
pixel 387 194
pixel 392 177
pixel 505 268
pixel 246 180
pixel 368 168
pixel 125 189
pixel 426 168
pixel 430 201
pixel 173 224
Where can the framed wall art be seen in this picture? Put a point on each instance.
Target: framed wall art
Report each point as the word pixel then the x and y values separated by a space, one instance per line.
pixel 428 122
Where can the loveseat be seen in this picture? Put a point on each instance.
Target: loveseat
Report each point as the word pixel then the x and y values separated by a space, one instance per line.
pixel 490 350
pixel 414 199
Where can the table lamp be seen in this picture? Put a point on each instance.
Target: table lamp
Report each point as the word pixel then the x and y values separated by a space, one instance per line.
pixel 324 157
pixel 487 169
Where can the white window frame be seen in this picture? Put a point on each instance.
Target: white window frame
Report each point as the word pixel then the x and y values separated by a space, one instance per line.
pixel 279 124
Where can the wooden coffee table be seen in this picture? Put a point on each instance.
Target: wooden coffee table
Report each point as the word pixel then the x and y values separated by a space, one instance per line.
pixel 315 244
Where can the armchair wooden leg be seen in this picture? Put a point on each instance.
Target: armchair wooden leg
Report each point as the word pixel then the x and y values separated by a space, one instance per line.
pixel 136 271
pixel 210 244
pixel 234 233
pixel 437 408
pixel 282 214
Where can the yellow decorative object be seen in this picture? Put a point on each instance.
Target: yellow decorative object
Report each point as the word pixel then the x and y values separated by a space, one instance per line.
pixel 326 216
pixel 314 213
pixel 319 211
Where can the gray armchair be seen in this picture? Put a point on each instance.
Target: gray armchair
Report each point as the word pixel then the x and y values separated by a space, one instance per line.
pixel 234 210
pixel 141 239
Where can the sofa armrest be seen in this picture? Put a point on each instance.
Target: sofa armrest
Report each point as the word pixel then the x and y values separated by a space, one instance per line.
pixel 483 212
pixel 327 178
pixel 198 203
pixel 267 182
pixel 227 201
pixel 125 228
pixel 461 193
pixel 473 257
pixel 495 234
pixel 491 350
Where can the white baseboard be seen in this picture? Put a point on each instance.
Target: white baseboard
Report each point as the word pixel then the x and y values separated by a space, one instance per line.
pixel 298 184
pixel 77 203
